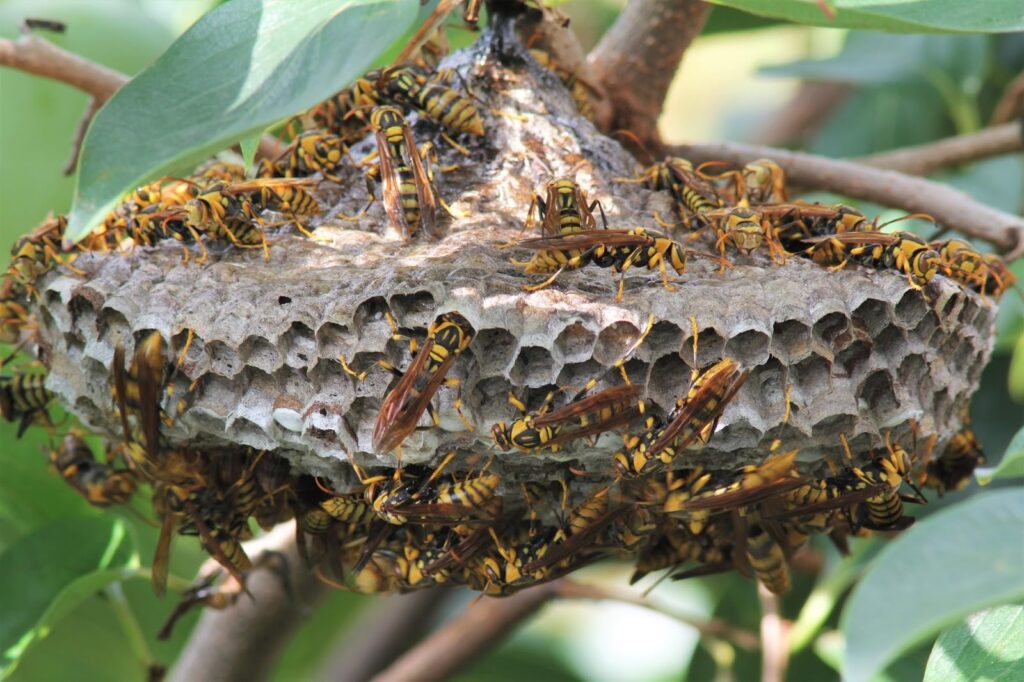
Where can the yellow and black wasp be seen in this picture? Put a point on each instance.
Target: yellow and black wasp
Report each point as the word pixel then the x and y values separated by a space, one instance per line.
pixel 868 495
pixel 36 253
pixel 564 209
pixel 23 398
pixel 904 252
pixel 502 570
pixel 764 182
pixel 434 97
pixel 618 250
pixel 692 193
pixel 98 482
pixel 408 194
pixel 583 416
pixel 746 229
pixel 800 221
pixel 309 153
pixel 985 273
pixel 952 469
pixel 448 336
pixel 451 501
pixel 693 417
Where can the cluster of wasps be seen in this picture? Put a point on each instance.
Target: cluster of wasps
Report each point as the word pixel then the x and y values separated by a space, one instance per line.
pixel 746 210
pixel 417 528
pixel 462 521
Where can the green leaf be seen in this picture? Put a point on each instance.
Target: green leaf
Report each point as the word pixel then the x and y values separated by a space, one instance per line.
pixel 961 559
pixel 1012 464
pixel 249 145
pixel 47 573
pixel 828 591
pixel 1015 382
pixel 238 70
pixel 871 58
pixel 946 16
pixel 987 646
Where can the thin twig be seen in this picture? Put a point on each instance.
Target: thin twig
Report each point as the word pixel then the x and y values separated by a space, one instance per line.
pixel 467 637
pixel 243 641
pixel 388 628
pixel 76 142
pixel 950 207
pixel 40 57
pixel 805 112
pixel 35 55
pixel 638 56
pixel 713 627
pixel 1011 104
pixel 923 159
pixel 774 638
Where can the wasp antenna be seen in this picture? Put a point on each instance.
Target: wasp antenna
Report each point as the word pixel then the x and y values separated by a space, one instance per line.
pixel 632 137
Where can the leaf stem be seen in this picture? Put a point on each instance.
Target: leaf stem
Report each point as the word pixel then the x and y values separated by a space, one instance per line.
pixel 130 626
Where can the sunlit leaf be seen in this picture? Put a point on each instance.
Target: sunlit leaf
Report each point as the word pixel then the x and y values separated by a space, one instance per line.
pixel 952 16
pixel 987 646
pixel 957 561
pixel 47 573
pixel 237 71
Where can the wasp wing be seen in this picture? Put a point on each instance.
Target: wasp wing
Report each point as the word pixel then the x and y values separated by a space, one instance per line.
pixel 424 188
pixel 730 379
pixel 391 192
pixel 587 238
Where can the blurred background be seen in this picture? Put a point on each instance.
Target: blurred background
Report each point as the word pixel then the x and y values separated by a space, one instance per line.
pixel 860 92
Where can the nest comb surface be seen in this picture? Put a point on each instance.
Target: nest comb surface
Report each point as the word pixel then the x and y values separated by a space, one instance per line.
pixel 862 351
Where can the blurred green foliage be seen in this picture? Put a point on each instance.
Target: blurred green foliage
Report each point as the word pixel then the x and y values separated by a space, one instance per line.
pixel 906 89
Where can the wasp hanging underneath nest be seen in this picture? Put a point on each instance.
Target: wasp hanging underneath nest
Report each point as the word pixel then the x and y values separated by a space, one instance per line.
pixel 678 365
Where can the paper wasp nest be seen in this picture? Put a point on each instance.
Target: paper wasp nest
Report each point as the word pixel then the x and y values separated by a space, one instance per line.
pixel 862 351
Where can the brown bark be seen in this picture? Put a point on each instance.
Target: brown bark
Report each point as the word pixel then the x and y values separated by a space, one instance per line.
pixel 637 58
pixel 390 626
pixel 950 207
pixel 244 641
pixel 774 638
pixel 951 152
pixel 469 636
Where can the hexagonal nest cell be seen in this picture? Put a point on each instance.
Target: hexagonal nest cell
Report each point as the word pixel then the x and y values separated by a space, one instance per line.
pixel 263 366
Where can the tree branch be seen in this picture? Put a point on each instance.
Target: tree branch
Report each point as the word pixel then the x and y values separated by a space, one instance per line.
pixel 774 638
pixel 380 636
pixel 950 207
pixel 713 627
pixel 638 56
pixel 40 57
pixel 469 636
pixel 1011 104
pixel 76 142
pixel 953 151
pixel 243 641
